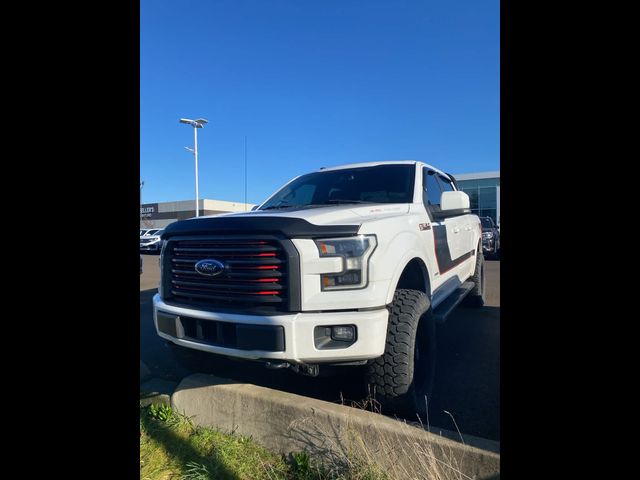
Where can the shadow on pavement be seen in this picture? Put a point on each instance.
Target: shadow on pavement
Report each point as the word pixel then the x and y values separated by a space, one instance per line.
pixel 467 383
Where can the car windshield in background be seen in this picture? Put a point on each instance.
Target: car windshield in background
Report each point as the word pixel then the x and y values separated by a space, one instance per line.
pixel 486 222
pixel 378 184
pixel 151 232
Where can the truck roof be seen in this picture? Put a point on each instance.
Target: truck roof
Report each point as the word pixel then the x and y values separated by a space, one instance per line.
pixel 383 162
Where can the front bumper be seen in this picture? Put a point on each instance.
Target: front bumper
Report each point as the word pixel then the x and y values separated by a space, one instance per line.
pixel 298 345
pixel 488 245
pixel 150 247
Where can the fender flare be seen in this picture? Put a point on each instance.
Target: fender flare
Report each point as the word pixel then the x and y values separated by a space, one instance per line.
pixel 404 261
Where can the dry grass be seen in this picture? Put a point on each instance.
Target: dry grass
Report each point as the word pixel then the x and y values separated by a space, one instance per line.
pixel 380 452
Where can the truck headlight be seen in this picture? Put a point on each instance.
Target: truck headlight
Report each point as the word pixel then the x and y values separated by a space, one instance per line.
pixel 355 253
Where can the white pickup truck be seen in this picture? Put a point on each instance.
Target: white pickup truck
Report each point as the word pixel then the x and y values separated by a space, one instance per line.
pixel 349 265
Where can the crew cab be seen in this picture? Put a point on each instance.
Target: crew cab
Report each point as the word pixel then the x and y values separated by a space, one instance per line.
pixel 349 265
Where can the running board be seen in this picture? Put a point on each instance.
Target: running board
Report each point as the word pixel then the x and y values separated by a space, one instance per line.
pixel 443 310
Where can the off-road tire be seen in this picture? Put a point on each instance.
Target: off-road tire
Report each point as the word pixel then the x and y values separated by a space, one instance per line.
pixel 402 378
pixel 476 297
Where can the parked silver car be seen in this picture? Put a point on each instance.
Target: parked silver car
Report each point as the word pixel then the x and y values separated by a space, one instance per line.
pixel 151 242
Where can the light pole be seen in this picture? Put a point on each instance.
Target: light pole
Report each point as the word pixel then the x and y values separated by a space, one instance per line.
pixel 196 124
pixel 141 185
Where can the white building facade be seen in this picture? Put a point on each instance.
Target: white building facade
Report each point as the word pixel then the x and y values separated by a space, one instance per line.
pixel 158 215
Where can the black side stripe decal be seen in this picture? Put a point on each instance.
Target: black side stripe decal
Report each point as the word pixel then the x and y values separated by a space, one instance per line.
pixel 443 253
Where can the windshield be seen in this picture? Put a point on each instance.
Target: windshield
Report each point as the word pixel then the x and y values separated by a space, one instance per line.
pixel 486 222
pixel 151 232
pixel 378 184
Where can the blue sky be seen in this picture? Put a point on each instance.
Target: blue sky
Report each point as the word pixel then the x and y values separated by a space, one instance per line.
pixel 312 84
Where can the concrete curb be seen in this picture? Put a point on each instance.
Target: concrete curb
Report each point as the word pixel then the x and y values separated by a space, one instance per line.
pixel 287 423
pixel 156 391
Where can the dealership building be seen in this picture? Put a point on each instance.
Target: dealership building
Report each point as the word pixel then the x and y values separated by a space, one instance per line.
pixel 484 193
pixel 158 215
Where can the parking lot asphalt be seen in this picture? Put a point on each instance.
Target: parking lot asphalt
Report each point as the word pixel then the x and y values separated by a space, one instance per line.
pixel 468 363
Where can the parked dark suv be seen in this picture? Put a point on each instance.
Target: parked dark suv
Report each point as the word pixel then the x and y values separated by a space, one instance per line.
pixel 490 237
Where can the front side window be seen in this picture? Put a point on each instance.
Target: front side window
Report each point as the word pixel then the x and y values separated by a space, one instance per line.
pixel 431 190
pixel 445 184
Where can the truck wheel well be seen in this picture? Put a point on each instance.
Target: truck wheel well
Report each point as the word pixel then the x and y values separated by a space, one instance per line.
pixel 415 277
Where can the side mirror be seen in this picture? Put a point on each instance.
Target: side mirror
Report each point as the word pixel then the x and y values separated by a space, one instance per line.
pixel 454 201
pixel 453 204
pixel 255 207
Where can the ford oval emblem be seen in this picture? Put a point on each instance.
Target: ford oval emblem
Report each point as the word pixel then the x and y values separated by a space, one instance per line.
pixel 209 267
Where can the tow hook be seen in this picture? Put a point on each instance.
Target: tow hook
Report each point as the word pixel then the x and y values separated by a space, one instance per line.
pixel 311 370
pixel 277 365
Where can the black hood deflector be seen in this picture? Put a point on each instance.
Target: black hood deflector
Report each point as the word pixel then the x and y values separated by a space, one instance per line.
pixel 290 227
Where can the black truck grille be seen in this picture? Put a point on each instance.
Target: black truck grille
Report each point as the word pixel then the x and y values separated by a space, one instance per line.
pixel 256 274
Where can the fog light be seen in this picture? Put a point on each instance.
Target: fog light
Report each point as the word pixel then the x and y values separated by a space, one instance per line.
pixel 344 333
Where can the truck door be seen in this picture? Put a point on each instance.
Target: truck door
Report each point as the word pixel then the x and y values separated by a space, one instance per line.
pixel 467 236
pixel 448 233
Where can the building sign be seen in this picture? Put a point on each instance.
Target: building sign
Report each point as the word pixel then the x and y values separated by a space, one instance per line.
pixel 147 210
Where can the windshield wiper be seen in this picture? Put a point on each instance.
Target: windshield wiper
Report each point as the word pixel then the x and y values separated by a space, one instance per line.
pixel 337 201
pixel 319 204
pixel 272 207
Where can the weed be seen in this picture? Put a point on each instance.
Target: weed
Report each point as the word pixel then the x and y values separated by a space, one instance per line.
pixel 160 412
pixel 301 463
pixel 196 471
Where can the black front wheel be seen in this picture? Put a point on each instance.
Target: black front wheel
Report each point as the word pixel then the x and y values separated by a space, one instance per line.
pixel 402 379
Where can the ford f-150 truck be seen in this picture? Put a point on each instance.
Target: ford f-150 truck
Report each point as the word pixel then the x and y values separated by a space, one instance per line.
pixel 349 265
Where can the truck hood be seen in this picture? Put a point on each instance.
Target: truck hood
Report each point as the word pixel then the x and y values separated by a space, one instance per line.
pixel 305 222
pixel 330 215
